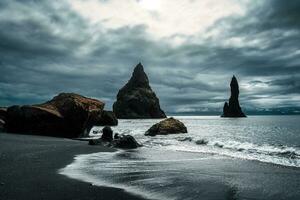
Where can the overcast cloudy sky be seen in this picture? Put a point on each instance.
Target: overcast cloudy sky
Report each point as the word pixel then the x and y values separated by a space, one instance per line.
pixel 190 49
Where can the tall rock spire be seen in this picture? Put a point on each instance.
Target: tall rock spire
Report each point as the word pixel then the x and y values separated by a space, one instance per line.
pixel 139 78
pixel 233 109
pixel 136 100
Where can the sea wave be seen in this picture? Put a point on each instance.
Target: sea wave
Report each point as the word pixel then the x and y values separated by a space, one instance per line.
pixel 266 149
pixel 275 154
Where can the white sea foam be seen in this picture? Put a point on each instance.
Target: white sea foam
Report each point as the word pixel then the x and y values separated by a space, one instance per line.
pixel 165 161
pixel 264 139
pixel 280 155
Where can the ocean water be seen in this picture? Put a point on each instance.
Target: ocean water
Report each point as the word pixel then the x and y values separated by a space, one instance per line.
pixel 219 158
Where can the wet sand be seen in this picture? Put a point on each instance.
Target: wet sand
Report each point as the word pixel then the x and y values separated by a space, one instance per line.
pixel 29 169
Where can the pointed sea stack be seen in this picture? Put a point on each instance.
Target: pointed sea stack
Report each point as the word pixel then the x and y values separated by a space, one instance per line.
pixel 136 100
pixel 233 109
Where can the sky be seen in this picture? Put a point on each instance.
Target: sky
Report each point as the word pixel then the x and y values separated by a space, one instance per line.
pixel 189 48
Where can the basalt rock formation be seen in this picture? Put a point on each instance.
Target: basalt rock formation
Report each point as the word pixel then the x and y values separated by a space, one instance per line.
pixel 66 115
pixel 136 100
pixel 167 126
pixel 118 141
pixel 233 109
pixel 107 134
pixel 125 142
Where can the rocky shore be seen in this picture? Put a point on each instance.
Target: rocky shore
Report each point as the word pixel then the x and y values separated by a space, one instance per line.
pixel 66 115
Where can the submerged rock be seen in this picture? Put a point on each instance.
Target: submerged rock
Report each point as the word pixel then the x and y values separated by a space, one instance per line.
pixel 66 115
pixel 233 109
pixel 125 142
pixel 201 142
pixel 167 126
pixel 136 100
pixel 118 141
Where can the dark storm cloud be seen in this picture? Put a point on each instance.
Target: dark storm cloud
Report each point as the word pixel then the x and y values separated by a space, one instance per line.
pixel 47 48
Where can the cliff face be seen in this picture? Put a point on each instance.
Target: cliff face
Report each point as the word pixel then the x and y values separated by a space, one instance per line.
pixel 136 100
pixel 233 109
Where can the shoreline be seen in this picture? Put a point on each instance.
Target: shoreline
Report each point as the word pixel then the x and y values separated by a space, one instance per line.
pixel 158 175
pixel 29 167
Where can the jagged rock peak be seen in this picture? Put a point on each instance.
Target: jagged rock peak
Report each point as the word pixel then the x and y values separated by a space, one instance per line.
pixel 136 100
pixel 234 86
pixel 139 78
pixel 233 109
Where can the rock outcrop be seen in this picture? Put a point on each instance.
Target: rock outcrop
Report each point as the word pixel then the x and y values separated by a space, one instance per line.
pixel 105 118
pixel 167 126
pixel 136 100
pixel 107 134
pixel 118 141
pixel 125 142
pixel 108 118
pixel 66 115
pixel 233 109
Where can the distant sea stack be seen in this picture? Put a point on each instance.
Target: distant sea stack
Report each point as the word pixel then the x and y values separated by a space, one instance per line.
pixel 136 100
pixel 233 109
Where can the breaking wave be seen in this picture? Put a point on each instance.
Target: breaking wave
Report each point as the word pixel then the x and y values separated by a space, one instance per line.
pixel 276 154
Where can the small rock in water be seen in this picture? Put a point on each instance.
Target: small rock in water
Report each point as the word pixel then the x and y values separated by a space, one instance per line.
pixel 185 139
pixel 107 134
pixel 167 126
pixel 119 140
pixel 116 136
pixel 219 145
pixel 201 142
pixel 126 142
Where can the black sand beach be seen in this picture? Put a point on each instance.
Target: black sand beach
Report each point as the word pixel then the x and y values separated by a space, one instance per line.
pixel 29 165
pixel 29 170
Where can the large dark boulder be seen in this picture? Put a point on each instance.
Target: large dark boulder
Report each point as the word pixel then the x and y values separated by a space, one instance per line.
pixel 233 109
pixel 66 115
pixel 167 126
pixel 136 100
pixel 125 142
